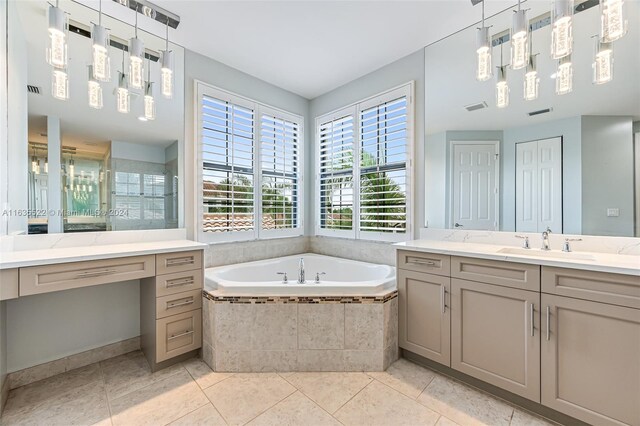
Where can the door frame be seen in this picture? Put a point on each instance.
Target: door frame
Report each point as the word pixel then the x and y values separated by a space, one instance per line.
pixel 496 145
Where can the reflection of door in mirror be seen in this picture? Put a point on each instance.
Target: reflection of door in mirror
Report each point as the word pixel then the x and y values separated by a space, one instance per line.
pixel 474 180
pixel 38 187
pixel 539 185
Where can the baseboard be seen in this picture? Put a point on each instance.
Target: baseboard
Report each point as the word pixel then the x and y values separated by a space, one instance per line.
pixel 508 397
pixel 71 362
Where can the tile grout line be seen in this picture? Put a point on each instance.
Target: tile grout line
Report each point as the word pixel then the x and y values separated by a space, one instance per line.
pixel 106 396
pixel 270 407
pixel 349 400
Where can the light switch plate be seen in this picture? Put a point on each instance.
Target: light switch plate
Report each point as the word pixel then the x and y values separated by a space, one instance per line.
pixel 613 212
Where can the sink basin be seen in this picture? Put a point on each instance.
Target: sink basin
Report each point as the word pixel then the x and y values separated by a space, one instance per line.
pixel 552 254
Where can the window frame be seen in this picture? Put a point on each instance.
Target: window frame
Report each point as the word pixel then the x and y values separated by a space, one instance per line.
pixel 259 109
pixel 354 110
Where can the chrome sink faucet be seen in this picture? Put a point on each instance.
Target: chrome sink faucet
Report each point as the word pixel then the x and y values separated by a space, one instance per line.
pixel 545 239
pixel 301 278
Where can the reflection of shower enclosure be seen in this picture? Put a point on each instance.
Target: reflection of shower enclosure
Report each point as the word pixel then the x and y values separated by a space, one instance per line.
pixel 37 190
pixel 83 191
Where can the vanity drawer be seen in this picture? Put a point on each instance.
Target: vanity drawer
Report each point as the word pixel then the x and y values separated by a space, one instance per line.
pixel 417 261
pixel 616 289
pixel 168 263
pixel 178 303
pixel 8 284
pixel 64 276
pixel 178 282
pixel 508 274
pixel 178 334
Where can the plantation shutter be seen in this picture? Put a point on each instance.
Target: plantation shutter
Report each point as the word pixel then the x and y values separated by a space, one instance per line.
pixel 227 166
pixel 383 167
pixel 336 173
pixel 280 167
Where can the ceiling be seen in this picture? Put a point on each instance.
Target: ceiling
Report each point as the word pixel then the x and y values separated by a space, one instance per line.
pixel 310 47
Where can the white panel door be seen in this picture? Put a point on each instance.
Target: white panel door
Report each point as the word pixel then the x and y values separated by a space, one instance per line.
pixel 539 185
pixel 474 183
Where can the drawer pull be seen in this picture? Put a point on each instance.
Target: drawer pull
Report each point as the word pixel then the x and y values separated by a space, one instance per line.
pixel 88 274
pixel 422 262
pixel 180 261
pixel 175 336
pixel 179 283
pixel 175 305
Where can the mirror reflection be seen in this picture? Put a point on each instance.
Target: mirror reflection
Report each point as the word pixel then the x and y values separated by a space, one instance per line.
pixel 564 162
pixel 94 165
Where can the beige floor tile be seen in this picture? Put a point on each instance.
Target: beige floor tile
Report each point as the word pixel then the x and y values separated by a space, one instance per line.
pixel 203 416
pixel 463 404
pixel 38 392
pixel 405 377
pixel 202 374
pixel 521 418
pixel 130 372
pixel 443 421
pixel 82 405
pixel 159 403
pixel 295 410
pixel 329 390
pixel 378 404
pixel 244 396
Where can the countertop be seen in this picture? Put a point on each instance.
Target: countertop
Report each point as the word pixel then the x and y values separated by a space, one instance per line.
pixel 22 258
pixel 602 262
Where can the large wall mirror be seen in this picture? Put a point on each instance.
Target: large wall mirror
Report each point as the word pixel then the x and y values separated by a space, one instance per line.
pixel 83 168
pixel 566 162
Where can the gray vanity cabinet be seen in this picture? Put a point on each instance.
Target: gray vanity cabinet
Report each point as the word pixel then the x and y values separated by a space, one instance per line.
pixel 424 316
pixel 495 335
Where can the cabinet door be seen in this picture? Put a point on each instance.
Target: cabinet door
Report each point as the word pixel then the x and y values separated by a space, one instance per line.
pixel 495 335
pixel 425 321
pixel 591 360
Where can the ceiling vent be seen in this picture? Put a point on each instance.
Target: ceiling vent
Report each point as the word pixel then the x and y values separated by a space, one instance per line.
pixel 540 111
pixel 33 89
pixel 474 107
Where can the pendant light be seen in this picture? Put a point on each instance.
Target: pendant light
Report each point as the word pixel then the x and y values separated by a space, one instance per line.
pixel 564 76
pixel 122 92
pixel 166 69
pixel 149 102
pixel 562 28
pixel 519 39
pixel 502 88
pixel 531 79
pixel 101 42
pixel 483 51
pixel 95 90
pixel 58 32
pixel 613 23
pixel 136 59
pixel 60 84
pixel 603 63
pixel 35 166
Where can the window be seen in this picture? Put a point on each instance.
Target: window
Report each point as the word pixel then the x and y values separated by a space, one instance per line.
pixel 251 177
pixel 363 168
pixel 140 195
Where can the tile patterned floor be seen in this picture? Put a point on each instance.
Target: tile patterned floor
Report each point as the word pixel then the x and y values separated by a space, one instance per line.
pixel 122 391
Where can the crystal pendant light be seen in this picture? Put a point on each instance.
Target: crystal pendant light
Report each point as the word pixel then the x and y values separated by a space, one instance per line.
pixel 60 84
pixel 95 90
pixel 531 80
pixel 613 23
pixel 483 51
pixel 57 43
pixel 136 60
pixel 122 92
pixel 519 39
pixel 502 88
pixel 562 28
pixel 564 76
pixel 101 41
pixel 603 63
pixel 166 69
pixel 149 102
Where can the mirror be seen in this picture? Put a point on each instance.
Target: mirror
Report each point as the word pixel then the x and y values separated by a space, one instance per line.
pixel 94 169
pixel 564 162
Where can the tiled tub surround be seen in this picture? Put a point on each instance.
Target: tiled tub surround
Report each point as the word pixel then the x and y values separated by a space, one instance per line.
pixel 290 333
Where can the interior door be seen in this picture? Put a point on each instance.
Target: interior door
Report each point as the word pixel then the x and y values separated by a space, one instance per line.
pixel 539 185
pixel 475 185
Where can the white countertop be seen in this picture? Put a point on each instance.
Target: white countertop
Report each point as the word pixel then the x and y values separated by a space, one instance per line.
pixel 22 258
pixel 602 262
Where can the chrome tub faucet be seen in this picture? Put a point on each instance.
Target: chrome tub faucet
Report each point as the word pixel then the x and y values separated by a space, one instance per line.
pixel 301 278
pixel 545 239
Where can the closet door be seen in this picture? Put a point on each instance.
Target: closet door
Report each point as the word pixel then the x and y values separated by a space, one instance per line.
pixel 527 187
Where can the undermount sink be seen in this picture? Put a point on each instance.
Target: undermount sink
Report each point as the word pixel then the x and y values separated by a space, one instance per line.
pixel 555 254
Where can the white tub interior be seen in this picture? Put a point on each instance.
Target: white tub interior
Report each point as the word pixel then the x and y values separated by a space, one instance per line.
pixel 341 277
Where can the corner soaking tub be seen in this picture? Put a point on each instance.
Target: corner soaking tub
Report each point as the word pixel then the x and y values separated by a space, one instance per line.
pixel 339 277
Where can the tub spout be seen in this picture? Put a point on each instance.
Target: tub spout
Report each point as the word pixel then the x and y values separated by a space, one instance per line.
pixel 301 278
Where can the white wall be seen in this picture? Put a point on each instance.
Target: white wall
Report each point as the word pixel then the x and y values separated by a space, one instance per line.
pixel 138 152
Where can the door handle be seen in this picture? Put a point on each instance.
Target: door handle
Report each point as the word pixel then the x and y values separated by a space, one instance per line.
pixel 532 319
pixel 548 320
pixel 443 298
pixel 457 225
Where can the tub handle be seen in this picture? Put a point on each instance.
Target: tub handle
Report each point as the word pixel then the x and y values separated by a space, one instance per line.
pixel 284 279
pixel 318 276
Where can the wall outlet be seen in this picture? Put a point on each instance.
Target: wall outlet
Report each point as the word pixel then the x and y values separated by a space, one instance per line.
pixel 613 212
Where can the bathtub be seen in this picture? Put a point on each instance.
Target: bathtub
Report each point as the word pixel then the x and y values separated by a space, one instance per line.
pixel 341 277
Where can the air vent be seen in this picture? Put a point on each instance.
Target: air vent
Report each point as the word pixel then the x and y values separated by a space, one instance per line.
pixel 540 111
pixel 474 107
pixel 33 89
